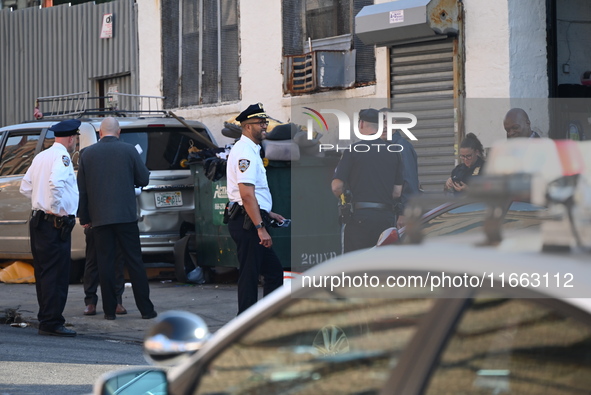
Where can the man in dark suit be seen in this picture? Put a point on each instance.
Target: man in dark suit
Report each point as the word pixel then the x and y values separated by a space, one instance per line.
pixel 108 172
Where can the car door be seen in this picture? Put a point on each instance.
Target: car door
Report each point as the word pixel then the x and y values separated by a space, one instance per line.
pixel 18 150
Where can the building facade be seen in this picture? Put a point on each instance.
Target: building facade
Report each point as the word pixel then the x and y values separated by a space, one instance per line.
pixel 459 68
pixel 500 54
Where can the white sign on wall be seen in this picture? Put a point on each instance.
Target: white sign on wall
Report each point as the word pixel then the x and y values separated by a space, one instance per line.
pixel 107 29
pixel 397 16
pixel 112 101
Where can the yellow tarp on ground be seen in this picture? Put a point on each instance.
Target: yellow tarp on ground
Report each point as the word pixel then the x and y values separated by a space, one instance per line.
pixel 18 273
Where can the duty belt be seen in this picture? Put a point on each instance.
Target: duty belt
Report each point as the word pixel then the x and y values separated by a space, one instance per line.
pixel 51 217
pixel 371 205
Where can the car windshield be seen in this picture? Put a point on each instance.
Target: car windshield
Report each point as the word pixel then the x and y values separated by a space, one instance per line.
pixel 339 343
pixel 162 148
pixel 470 218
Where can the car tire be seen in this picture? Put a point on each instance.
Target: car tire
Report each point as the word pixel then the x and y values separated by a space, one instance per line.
pixel 183 260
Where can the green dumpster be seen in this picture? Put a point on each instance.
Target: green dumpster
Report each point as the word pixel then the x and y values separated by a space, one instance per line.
pixel 300 190
pixel 213 243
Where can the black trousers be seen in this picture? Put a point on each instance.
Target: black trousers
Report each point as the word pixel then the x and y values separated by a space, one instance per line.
pixel 127 235
pixel 254 260
pixel 365 226
pixel 91 275
pixel 51 262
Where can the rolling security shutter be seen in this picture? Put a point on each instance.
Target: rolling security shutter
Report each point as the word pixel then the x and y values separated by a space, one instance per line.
pixel 422 83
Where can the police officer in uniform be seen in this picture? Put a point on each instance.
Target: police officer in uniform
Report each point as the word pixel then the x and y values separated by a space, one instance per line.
pixel 50 183
pixel 373 174
pixel 250 210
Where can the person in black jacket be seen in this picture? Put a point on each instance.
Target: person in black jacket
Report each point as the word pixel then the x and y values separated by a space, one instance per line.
pixel 374 176
pixel 472 157
pixel 108 173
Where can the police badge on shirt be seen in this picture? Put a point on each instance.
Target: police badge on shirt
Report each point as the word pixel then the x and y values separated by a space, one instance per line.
pixel 243 165
pixel 66 160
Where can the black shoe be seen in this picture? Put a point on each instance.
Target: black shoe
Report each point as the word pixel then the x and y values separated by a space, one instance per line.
pixel 60 331
pixel 151 315
pixel 109 317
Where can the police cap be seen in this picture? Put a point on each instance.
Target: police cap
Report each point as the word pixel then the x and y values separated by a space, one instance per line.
pixel 66 128
pixel 253 111
pixel 369 115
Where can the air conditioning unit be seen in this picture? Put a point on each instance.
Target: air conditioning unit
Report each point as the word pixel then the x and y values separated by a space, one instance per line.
pixel 319 70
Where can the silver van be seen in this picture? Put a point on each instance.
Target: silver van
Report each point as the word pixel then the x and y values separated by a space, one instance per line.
pixel 165 206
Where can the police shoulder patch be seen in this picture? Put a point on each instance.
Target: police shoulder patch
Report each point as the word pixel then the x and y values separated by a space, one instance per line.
pixel 243 165
pixel 66 160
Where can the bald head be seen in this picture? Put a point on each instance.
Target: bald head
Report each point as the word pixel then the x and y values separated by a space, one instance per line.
pixel 109 127
pixel 516 123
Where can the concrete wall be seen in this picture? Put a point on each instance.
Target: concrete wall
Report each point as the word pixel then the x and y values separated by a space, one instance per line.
pixel 150 47
pixel 506 65
pixel 527 49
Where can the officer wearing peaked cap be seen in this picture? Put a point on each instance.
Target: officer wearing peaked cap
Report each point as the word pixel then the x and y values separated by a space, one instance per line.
pixel 250 210
pixel 66 128
pixel 51 185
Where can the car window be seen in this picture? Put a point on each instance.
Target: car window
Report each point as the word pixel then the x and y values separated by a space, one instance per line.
pixel 515 346
pixel 319 346
pixel 50 139
pixel 162 148
pixel 18 153
pixel 470 218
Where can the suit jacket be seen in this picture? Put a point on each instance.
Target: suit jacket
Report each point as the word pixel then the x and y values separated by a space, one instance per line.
pixel 108 173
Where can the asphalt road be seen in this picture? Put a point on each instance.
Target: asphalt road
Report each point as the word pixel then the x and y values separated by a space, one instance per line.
pixel 215 303
pixel 33 364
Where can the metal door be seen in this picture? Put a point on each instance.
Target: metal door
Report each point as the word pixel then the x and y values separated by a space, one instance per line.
pixel 423 81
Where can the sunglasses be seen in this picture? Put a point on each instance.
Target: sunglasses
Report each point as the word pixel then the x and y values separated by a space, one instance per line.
pixel 261 123
pixel 468 157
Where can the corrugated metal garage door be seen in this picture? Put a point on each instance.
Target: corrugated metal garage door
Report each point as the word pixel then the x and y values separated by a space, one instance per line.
pixel 422 83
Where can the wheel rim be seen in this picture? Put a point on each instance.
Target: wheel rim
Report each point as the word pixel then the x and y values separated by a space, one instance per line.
pixel 331 340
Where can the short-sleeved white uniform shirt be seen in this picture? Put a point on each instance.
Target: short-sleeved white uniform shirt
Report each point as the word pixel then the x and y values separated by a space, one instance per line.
pixel 246 166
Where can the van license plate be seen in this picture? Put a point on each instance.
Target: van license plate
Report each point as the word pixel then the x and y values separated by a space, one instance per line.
pixel 169 199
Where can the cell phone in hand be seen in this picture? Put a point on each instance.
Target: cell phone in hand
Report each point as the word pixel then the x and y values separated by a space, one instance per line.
pixel 284 224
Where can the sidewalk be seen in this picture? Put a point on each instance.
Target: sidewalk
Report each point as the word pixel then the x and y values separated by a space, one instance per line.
pixel 216 304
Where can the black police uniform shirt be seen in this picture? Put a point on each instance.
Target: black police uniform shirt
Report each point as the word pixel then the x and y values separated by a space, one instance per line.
pixel 246 166
pixel 464 173
pixel 50 182
pixel 371 175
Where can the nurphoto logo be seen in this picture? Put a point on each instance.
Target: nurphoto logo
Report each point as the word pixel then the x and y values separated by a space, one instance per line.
pixel 344 129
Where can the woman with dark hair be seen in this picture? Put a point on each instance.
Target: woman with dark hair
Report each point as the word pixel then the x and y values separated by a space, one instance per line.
pixel 472 157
